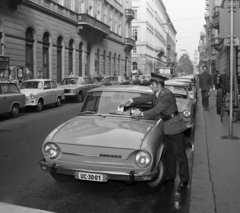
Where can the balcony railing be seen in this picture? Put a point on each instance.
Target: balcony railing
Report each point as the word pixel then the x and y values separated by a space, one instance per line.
pixel 88 22
pixel 130 15
pixel 129 42
pixel 216 42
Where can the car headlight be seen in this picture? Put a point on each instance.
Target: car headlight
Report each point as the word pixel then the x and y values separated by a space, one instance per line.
pixel 186 113
pixel 32 96
pixel 51 150
pixel 143 159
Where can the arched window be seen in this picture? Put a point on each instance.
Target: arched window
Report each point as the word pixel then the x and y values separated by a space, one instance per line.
pixel 29 50
pixel 134 66
pixel 134 34
pixel 59 59
pixel 45 69
pixel 80 58
pixel 70 57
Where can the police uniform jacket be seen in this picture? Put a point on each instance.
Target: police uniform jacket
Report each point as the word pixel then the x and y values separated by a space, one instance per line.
pixel 163 106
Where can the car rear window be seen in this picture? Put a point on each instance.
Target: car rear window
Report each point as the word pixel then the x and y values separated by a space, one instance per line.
pixel 180 92
pixel 10 88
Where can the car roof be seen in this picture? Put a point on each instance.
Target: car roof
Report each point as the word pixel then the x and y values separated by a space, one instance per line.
pixel 182 79
pixel 123 88
pixel 176 83
pixel 39 79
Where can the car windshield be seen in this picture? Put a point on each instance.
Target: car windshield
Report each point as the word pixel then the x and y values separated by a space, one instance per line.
pixel 32 85
pixel 179 92
pixel 108 102
pixel 68 81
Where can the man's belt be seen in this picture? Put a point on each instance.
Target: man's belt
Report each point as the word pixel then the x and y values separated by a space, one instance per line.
pixel 168 117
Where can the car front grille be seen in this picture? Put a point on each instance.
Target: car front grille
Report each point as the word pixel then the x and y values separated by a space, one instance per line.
pixel 67 91
pixel 110 156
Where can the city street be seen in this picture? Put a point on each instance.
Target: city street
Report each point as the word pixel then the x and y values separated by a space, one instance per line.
pixel 22 182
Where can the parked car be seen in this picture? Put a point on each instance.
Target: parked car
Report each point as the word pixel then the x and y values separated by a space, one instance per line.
pixel 104 143
pixel 191 88
pixel 11 99
pixel 76 87
pixel 184 102
pixel 40 92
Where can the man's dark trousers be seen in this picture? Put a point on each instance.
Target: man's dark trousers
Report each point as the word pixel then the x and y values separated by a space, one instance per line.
pixel 205 101
pixel 175 151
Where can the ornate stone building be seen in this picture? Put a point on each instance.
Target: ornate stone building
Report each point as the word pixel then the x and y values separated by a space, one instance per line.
pixel 54 38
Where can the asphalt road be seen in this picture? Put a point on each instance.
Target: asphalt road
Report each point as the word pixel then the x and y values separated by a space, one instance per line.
pixel 22 182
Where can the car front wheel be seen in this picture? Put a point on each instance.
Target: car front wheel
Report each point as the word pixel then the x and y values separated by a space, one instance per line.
pixel 39 105
pixel 15 111
pixel 58 103
pixel 155 185
pixel 61 178
pixel 79 98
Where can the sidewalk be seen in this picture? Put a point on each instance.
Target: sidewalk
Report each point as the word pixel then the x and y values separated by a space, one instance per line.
pixel 215 186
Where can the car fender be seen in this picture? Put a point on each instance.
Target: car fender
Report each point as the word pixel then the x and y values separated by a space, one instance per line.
pixel 15 102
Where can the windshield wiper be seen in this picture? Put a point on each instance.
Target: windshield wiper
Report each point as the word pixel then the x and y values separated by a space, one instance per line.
pixel 91 113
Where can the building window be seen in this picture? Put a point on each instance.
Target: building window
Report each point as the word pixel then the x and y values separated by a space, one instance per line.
pixel 70 57
pixel 44 72
pixel 59 59
pixel 99 8
pixel 127 32
pixel 97 70
pixel 72 5
pixel 114 65
pixel 115 24
pixel 134 34
pixel 110 20
pixel 135 14
pixel 105 15
pixel 29 49
pixel 120 27
pixel 104 62
pixel 119 65
pixel 110 63
pixel 80 58
pixel 134 50
pixel 82 6
pixel 90 7
pixel 134 66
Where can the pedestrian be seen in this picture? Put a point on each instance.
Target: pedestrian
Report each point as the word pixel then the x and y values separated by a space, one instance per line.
pixel 205 86
pixel 217 80
pixel 28 74
pixel 165 106
pixel 71 75
pixel 137 81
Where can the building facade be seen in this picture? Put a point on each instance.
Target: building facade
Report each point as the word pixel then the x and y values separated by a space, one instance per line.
pixel 154 36
pixel 54 38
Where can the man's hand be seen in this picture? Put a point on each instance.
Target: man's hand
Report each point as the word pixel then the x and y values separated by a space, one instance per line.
pixel 136 114
pixel 126 103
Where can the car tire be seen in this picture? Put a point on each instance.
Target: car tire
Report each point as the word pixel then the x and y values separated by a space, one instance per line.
pixel 39 105
pixel 156 184
pixel 219 100
pixel 15 111
pixel 61 178
pixel 79 98
pixel 58 103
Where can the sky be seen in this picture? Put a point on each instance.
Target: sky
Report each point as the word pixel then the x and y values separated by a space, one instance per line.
pixel 187 17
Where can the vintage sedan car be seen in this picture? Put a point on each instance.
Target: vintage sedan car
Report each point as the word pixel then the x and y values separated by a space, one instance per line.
pixel 191 88
pixel 40 92
pixel 76 87
pixel 184 102
pixel 11 99
pixel 104 143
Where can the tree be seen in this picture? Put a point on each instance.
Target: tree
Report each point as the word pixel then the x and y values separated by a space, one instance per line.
pixel 184 65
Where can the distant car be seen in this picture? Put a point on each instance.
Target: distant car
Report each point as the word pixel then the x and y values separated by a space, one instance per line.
pixel 40 92
pixel 184 102
pixel 104 143
pixel 11 99
pixel 191 87
pixel 76 87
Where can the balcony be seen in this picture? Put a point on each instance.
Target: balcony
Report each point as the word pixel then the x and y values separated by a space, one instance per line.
pixel 216 43
pixel 87 23
pixel 216 10
pixel 129 43
pixel 130 15
pixel 206 16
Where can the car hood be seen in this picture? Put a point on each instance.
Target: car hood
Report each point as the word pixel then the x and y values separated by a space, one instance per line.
pixel 115 132
pixel 182 104
pixel 69 86
pixel 27 92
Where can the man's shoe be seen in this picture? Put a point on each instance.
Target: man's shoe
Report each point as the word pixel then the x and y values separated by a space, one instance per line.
pixel 182 186
pixel 166 180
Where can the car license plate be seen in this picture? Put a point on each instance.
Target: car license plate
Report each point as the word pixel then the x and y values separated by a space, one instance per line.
pixel 91 177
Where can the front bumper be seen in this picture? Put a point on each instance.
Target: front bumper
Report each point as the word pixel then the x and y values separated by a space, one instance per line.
pixel 131 176
pixel 30 102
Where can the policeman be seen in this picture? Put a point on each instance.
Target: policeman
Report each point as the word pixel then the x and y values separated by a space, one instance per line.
pixel 173 127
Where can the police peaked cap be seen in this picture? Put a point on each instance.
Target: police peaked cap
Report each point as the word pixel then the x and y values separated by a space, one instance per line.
pixel 157 78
